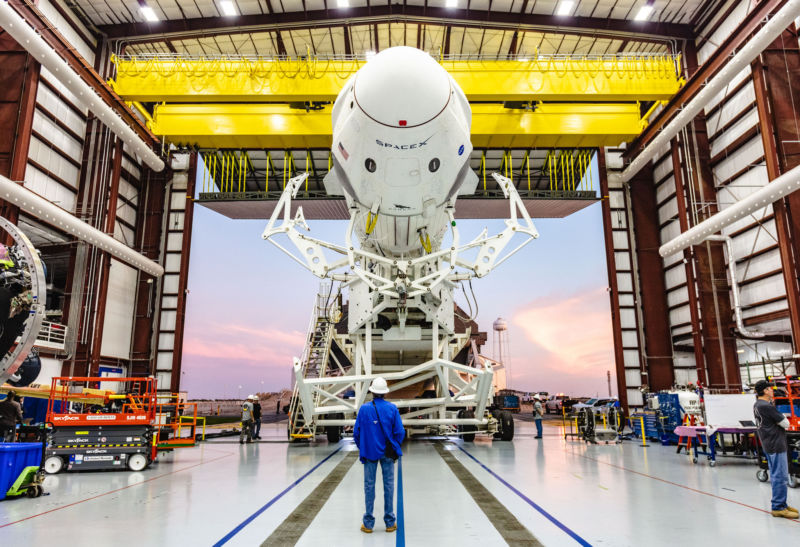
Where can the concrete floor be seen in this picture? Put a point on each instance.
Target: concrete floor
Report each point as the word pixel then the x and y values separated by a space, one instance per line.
pixel 563 493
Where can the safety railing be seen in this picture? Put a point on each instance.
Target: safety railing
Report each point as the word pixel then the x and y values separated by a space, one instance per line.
pixel 52 335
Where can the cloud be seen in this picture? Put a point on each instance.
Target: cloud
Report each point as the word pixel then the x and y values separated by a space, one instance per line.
pixel 566 343
pixel 250 346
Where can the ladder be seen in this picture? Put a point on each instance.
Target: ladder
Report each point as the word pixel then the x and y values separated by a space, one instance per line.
pixel 315 359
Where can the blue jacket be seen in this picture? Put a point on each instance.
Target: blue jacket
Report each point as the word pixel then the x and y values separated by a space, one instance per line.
pixel 367 433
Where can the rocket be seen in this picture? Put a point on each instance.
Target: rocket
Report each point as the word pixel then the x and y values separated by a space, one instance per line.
pixel 401 149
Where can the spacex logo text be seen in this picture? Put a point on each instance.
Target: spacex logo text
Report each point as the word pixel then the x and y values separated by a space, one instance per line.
pixel 402 146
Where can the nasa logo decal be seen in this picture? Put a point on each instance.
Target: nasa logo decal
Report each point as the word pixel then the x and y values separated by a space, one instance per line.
pixel 461 150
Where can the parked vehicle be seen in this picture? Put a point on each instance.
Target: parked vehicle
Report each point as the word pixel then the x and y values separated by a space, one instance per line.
pixel 595 404
pixel 507 402
pixel 555 403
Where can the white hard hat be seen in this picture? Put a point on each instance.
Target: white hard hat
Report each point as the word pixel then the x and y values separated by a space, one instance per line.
pixel 252 397
pixel 537 397
pixel 379 386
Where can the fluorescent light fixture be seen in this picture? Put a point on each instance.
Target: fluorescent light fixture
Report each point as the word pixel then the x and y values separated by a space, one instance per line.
pixel 228 8
pixel 369 55
pixel 343 3
pixel 523 59
pixel 148 14
pixel 644 12
pixel 739 351
pixel 451 3
pixel 565 7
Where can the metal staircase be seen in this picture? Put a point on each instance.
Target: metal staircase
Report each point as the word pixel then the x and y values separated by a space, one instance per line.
pixel 316 356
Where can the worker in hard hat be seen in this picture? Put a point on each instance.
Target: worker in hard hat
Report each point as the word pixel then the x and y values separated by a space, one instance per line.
pixel 538 414
pixel 378 433
pixel 247 420
pixel 10 415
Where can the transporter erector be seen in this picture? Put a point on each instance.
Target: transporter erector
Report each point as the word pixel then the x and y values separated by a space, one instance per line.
pixel 400 154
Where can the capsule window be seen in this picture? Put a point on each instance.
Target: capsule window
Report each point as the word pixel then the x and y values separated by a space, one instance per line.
pixel 370 164
pixel 433 166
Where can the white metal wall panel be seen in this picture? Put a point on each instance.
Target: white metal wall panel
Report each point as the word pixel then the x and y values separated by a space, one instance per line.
pixel 735 81
pixel 678 296
pixel 723 31
pixel 53 81
pixel 57 136
pixel 43 185
pixel 66 30
pixel 120 306
pixel 739 159
pixel 45 156
pixel 58 108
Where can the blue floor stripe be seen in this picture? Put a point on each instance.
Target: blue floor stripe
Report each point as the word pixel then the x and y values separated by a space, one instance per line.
pixel 269 504
pixel 401 519
pixel 530 502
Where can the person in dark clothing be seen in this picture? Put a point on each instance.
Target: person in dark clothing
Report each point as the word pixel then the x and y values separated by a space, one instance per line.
pixel 378 433
pixel 257 418
pixel 772 433
pixel 10 415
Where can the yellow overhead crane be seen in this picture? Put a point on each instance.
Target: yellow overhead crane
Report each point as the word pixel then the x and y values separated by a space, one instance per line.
pixel 561 78
pixel 555 101
pixel 258 126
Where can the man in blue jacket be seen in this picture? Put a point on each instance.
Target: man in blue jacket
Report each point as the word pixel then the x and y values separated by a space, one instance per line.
pixel 378 433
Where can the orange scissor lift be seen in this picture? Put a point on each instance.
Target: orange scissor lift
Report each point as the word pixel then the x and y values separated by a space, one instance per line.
pixel 125 426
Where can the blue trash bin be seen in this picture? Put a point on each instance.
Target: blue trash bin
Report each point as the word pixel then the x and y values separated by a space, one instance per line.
pixel 14 457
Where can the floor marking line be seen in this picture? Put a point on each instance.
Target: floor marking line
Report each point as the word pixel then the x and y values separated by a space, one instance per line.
pixel 298 521
pixel 507 525
pixel 709 494
pixel 116 490
pixel 530 502
pixel 269 504
pixel 401 518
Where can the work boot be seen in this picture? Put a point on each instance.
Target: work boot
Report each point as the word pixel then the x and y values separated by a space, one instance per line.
pixel 790 508
pixel 366 530
pixel 391 528
pixel 786 514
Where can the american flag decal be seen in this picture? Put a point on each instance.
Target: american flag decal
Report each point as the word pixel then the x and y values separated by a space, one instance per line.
pixel 344 152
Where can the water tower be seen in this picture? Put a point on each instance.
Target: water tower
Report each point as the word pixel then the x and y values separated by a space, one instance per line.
pixel 500 350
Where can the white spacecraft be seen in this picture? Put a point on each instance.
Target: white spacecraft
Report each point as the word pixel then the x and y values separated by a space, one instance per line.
pixel 401 149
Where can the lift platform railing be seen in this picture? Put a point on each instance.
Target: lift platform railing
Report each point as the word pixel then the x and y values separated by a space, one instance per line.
pixel 81 401
pixel 176 422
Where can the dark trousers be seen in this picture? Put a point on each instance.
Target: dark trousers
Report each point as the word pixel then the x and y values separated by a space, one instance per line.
pixel 257 428
pixel 538 427
pixel 7 433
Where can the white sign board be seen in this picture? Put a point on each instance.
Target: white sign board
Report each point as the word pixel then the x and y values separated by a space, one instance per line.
pixel 729 410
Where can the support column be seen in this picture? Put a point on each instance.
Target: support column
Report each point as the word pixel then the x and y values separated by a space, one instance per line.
pixel 776 78
pixel 719 343
pixel 611 265
pixel 183 280
pixel 655 312
pixel 19 80
pixel 105 262
pixel 689 264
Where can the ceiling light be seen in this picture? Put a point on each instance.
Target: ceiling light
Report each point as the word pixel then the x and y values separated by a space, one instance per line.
pixel 565 7
pixel 523 59
pixel 228 8
pixel 343 3
pixel 644 12
pixel 148 14
pixel 739 351
pixel 452 4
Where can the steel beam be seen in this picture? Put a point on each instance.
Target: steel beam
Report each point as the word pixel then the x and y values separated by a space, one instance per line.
pixel 698 76
pixel 543 78
pixel 775 79
pixel 655 313
pixel 258 126
pixel 616 322
pixel 647 31
pixel 49 33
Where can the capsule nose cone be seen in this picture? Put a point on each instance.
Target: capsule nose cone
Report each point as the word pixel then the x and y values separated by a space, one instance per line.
pixel 402 87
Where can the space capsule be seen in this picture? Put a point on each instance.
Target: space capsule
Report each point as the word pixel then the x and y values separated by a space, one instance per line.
pixel 401 149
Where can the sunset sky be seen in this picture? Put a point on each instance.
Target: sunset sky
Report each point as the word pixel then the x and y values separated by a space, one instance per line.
pixel 249 306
